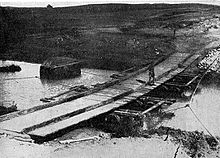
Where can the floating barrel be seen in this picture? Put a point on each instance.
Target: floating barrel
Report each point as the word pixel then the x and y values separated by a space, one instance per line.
pixel 113 121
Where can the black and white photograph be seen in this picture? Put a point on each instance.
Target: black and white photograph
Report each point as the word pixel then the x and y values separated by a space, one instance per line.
pixel 110 79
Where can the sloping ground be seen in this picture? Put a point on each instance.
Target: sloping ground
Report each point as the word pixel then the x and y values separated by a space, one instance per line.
pixel 107 36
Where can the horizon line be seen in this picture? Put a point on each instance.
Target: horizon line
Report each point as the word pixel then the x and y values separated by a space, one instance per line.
pixel 72 4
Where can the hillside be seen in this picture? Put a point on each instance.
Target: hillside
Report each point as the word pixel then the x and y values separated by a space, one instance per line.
pixel 108 36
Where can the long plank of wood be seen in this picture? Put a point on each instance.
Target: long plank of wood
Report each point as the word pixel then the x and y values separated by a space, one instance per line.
pixel 112 91
pixel 131 86
pixel 72 97
pixel 56 113
pixel 153 107
pixel 55 127
pixel 83 110
pixel 143 90
pixel 104 94
pixel 131 81
pixel 129 98
pixel 97 97
pixel 108 93
pixel 136 94
pixel 14 134
pixel 124 100
pixel 174 71
pixel 120 87
pixel 38 117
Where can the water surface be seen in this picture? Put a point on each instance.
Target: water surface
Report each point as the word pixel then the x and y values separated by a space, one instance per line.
pixel 25 88
pixel 206 106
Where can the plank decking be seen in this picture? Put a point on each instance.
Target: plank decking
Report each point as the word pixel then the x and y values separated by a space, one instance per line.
pixel 50 120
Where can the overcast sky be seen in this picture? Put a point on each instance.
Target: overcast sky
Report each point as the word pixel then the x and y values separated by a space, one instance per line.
pixel 61 3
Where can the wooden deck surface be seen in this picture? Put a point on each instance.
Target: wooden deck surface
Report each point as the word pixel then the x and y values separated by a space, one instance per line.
pixel 52 119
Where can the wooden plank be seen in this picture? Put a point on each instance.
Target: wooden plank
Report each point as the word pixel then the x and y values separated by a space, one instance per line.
pixel 131 81
pixel 97 97
pixel 143 90
pixel 127 112
pixel 136 94
pixel 83 110
pixel 124 100
pixel 192 80
pixel 112 91
pixel 131 86
pixel 150 87
pixel 129 97
pixel 120 87
pixel 15 134
pixel 19 123
pixel 49 115
pixel 153 107
pixel 188 74
pixel 104 94
pixel 55 127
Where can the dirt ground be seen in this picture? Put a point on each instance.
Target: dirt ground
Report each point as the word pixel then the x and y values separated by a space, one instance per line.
pixel 116 147
pixel 161 141
pixel 109 36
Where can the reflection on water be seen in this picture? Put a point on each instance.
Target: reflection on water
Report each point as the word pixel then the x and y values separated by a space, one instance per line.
pixel 26 88
pixel 206 105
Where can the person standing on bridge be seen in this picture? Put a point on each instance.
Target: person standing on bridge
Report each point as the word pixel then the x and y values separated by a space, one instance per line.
pixel 151 81
pixel 151 75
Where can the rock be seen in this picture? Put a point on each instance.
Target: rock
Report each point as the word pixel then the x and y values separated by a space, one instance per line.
pixel 11 68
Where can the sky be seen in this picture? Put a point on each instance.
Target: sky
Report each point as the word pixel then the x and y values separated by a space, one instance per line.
pixel 63 3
